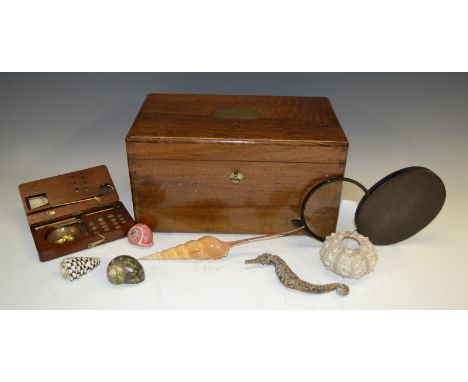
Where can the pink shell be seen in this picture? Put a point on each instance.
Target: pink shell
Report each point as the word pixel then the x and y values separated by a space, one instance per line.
pixel 140 234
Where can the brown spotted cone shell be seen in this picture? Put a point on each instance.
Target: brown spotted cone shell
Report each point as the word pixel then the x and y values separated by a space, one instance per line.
pixel 73 268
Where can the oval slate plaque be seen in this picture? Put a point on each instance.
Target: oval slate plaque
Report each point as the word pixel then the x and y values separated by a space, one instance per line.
pixel 400 205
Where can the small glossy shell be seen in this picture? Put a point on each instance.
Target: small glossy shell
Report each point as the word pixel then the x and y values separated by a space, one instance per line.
pixel 125 270
pixel 140 234
pixel 73 268
pixel 348 262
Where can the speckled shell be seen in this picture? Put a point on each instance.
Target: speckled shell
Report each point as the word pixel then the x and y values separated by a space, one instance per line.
pixel 140 234
pixel 73 268
pixel 348 262
pixel 125 270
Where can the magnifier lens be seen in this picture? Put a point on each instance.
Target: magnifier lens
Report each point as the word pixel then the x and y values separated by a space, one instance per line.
pixel 321 210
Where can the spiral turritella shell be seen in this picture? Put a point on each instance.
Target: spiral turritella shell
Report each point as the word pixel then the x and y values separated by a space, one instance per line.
pixel 348 262
pixel 205 248
pixel 73 268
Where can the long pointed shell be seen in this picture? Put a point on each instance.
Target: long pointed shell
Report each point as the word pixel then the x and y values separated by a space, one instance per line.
pixel 205 248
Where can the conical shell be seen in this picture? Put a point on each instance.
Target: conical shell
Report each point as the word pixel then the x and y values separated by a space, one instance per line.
pixel 205 248
pixel 73 268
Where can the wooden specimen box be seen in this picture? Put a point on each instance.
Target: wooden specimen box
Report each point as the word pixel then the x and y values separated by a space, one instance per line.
pixel 231 164
pixel 74 211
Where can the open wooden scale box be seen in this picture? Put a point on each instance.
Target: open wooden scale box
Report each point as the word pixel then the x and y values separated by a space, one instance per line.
pixel 74 211
pixel 233 164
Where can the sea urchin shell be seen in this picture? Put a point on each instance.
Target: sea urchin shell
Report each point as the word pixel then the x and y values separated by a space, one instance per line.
pixel 345 261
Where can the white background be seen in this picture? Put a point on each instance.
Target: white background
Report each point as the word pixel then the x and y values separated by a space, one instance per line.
pixel 249 35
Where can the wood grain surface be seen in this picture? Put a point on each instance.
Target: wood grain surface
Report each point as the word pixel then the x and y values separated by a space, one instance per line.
pixel 67 188
pixel 181 155
pixel 194 118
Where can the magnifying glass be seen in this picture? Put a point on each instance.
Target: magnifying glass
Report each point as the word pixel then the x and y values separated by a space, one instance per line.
pixel 392 210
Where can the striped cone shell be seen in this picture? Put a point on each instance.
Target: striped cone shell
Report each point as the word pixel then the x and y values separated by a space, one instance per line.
pixel 73 268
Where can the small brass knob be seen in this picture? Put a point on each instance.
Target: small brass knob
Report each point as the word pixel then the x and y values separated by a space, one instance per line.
pixel 236 177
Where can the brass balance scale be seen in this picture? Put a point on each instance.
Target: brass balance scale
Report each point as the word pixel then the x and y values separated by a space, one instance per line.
pixel 79 223
pixel 68 230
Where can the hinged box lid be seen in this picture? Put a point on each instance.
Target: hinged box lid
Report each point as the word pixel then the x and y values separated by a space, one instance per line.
pixel 269 124
pixel 67 194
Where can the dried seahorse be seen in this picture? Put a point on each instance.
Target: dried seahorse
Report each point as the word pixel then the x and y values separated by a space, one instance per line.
pixel 206 248
pixel 290 280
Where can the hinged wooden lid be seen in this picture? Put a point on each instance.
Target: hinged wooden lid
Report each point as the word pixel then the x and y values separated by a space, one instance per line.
pixel 184 118
pixel 67 194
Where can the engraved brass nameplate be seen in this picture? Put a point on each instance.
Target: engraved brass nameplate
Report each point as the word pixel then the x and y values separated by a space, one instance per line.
pixel 237 114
